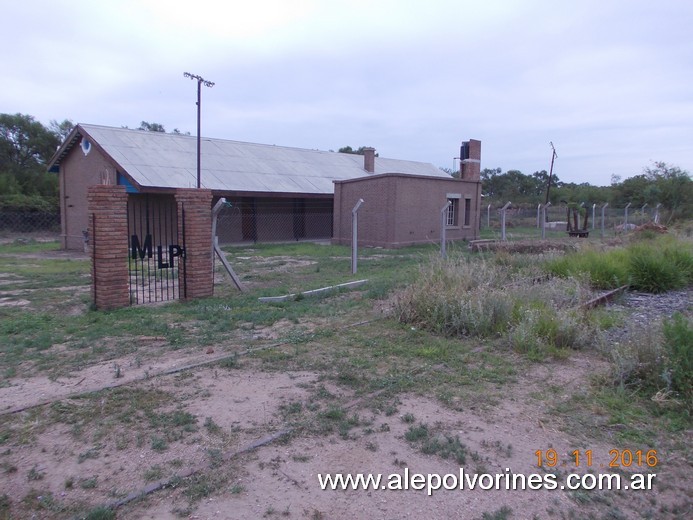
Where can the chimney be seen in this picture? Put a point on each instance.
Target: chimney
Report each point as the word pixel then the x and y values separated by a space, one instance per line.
pixel 470 160
pixel 369 159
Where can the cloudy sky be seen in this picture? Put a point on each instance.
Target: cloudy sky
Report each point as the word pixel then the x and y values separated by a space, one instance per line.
pixel 609 82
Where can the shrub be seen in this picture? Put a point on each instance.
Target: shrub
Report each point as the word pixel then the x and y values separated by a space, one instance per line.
pixel 656 358
pixel 487 300
pixel 650 265
pixel 653 271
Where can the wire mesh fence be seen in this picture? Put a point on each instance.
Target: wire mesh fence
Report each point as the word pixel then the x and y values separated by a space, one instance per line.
pixel 260 220
pixel 29 222
pixel 601 220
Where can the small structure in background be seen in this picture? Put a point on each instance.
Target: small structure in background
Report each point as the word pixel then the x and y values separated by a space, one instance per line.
pixel 574 212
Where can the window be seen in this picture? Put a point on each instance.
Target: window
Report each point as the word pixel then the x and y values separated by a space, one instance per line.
pixel 453 211
pixel 467 212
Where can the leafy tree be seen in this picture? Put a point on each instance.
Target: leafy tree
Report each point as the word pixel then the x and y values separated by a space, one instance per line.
pixel 61 130
pixel 349 149
pixel 152 127
pixel 25 148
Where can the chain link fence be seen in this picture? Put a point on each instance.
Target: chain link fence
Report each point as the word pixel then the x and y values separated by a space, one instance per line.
pixel 270 220
pixel 35 222
pixel 526 220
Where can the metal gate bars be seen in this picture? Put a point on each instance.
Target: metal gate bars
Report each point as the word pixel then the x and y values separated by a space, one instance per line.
pixel 156 259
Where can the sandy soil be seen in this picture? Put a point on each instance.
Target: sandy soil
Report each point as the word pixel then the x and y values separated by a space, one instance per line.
pixel 281 479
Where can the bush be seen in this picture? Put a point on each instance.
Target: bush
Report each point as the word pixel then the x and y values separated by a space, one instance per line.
pixel 459 298
pixel 651 265
pixel 653 358
pixel 605 270
pixel 652 271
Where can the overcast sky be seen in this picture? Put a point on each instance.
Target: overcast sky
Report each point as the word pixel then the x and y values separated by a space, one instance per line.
pixel 610 83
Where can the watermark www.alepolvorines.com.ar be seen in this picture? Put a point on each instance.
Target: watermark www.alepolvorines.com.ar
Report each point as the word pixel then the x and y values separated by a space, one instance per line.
pixel 431 482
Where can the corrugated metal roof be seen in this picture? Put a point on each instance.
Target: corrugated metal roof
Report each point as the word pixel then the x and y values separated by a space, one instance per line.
pixel 154 159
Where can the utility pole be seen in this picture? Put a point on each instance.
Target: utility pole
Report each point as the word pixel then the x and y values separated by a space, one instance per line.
pixel 548 186
pixel 200 81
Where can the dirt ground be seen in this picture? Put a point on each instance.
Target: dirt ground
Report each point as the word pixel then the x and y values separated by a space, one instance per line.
pixel 281 478
pixel 89 438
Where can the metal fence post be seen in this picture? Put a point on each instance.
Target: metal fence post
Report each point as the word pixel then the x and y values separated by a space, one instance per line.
pixel 354 236
pixel 625 224
pixel 603 208
pixel 488 216
pixel 443 225
pixel 656 217
pixel 538 214
pixel 503 209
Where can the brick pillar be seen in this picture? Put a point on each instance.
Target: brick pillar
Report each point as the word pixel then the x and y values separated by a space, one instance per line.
pixel 108 246
pixel 195 274
pixel 471 165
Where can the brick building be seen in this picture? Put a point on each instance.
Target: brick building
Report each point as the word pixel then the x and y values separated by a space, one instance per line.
pixel 275 193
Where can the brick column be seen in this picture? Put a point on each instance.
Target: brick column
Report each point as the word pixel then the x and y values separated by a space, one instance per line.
pixel 195 273
pixel 108 245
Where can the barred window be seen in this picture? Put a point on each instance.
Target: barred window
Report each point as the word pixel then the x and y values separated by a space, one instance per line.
pixel 453 212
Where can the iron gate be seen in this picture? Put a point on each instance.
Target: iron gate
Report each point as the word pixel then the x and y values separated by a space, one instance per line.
pixel 156 259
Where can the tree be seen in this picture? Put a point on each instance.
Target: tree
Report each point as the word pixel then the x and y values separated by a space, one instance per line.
pixel 25 144
pixel 359 151
pixel 25 148
pixel 151 127
pixel 61 130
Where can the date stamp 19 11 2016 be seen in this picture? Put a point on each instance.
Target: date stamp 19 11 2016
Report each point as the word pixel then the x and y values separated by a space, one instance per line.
pixel 584 458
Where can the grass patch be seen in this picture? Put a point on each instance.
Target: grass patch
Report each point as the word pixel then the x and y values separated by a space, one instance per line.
pixel 457 297
pixel 652 265
pixel 443 445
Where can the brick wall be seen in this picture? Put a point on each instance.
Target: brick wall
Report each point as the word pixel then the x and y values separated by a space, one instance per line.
pixel 401 210
pixel 77 171
pixel 108 231
pixel 195 274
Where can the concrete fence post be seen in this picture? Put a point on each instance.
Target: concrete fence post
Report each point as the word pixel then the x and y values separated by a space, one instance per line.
pixel 503 210
pixel 355 236
pixel 594 208
pixel 625 224
pixel 543 220
pixel 443 225
pixel 603 208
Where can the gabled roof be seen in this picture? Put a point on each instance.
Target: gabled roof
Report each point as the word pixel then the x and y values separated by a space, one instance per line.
pixel 159 160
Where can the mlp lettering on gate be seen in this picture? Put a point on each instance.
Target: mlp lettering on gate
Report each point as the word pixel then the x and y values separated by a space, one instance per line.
pixel 146 249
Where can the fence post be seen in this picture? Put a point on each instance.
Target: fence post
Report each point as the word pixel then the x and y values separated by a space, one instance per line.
pixel 443 225
pixel 503 210
pixel 543 219
pixel 354 236
pixel 603 208
pixel 539 206
pixel 625 224
pixel 656 217
pixel 594 207
pixel 642 213
pixel 488 216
